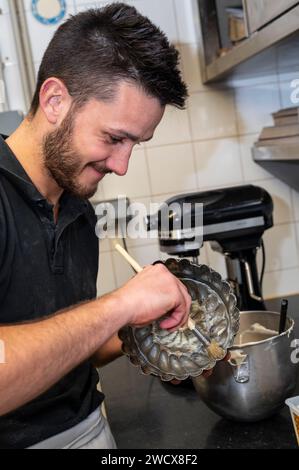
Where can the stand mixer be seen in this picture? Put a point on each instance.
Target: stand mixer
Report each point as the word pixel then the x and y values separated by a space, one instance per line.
pixel 260 375
pixel 234 220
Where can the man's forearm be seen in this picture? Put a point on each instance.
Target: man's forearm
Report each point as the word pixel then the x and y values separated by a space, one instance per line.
pixel 38 354
pixel 110 351
pixel 41 353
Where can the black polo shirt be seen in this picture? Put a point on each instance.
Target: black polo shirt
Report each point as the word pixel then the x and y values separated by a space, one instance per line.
pixel 43 268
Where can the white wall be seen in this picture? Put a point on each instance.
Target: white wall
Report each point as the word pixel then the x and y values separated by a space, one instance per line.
pixel 14 91
pixel 206 146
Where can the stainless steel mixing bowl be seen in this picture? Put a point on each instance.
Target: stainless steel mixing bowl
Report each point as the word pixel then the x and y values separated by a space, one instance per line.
pixel 258 387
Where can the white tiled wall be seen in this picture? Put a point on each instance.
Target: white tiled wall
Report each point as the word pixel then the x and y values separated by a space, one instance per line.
pixel 173 129
pixel 212 114
pixel 205 146
pixel 216 157
pixel 171 168
pixel 254 106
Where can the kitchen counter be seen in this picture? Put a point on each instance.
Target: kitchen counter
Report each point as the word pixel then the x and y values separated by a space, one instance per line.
pixel 145 413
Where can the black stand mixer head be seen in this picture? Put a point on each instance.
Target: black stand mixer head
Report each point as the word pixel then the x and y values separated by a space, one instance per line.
pixel 233 220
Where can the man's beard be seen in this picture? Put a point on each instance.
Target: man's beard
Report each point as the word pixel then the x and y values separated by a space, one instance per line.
pixel 63 162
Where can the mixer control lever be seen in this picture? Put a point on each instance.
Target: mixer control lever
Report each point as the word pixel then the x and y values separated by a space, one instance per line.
pixel 250 283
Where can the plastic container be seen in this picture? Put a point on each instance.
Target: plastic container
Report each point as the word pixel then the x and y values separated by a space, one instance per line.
pixel 293 404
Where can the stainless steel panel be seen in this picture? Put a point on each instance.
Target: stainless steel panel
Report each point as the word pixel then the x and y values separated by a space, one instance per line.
pixel 260 12
pixel 277 152
pixel 281 161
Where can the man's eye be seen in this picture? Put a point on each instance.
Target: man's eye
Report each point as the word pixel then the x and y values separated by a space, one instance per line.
pixel 115 140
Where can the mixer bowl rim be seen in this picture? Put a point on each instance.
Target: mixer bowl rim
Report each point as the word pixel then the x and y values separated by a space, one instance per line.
pixel 256 343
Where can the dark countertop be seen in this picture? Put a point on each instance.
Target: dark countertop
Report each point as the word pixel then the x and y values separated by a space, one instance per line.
pixel 145 413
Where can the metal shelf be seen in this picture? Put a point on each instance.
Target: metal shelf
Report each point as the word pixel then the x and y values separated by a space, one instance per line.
pixel 274 32
pixel 280 160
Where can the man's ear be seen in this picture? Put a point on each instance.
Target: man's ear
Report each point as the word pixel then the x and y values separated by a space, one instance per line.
pixel 54 100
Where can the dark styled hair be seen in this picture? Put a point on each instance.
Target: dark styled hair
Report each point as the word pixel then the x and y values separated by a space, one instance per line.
pixel 96 49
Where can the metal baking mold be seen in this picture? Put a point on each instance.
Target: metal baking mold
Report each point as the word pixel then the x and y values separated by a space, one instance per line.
pixel 179 354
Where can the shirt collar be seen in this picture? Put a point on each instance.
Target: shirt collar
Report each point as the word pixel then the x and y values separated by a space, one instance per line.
pixel 14 171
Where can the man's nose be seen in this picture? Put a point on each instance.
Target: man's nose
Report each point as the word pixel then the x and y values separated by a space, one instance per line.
pixel 119 163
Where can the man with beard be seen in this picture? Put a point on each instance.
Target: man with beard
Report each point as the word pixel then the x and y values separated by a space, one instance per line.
pixel 102 88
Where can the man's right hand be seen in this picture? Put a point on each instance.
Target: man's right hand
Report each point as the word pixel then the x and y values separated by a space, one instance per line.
pixel 153 293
